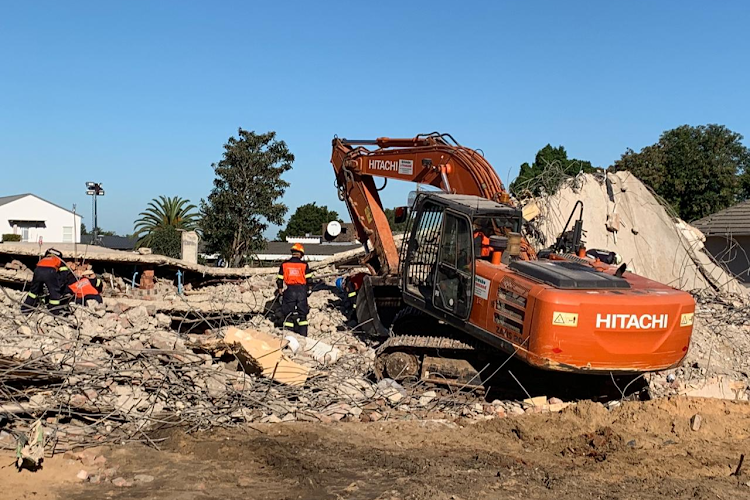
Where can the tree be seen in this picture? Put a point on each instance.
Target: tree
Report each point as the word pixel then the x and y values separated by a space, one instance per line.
pixel 307 219
pixel 245 196
pixel 99 231
pixel 697 170
pixel 550 168
pixel 174 212
pixel 167 241
pixel 390 214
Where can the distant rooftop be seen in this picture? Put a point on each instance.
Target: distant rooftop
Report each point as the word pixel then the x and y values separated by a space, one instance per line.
pixel 734 221
pixel 4 200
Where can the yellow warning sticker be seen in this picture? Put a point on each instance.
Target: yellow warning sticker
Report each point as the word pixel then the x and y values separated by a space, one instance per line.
pixel 687 319
pixel 564 319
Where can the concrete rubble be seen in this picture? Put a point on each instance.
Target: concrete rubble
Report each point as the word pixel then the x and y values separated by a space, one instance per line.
pixel 620 214
pixel 113 373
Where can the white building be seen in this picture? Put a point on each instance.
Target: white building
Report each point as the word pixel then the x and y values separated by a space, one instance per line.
pixel 34 218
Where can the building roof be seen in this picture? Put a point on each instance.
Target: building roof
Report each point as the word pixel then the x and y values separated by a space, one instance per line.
pixel 734 220
pixel 4 200
pixel 283 248
pixel 113 242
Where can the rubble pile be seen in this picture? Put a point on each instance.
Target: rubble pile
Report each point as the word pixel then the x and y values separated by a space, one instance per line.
pixel 115 372
pixel 719 351
pixel 16 271
pixel 620 214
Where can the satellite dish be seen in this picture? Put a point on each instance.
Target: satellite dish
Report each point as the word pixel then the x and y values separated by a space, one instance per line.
pixel 334 228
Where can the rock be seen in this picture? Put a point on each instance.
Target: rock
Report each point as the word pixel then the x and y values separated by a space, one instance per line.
pixel 163 320
pixel 554 401
pixel 374 416
pixel 163 340
pixel 121 482
pixel 391 390
pixel 357 389
pixel 144 251
pixel 517 410
pixel 109 473
pixel 88 457
pixel 143 478
pixel 24 330
pixel 83 475
pixel 426 397
pixel 695 422
pixel 271 419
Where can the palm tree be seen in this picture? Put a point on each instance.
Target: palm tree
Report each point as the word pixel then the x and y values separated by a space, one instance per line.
pixel 165 212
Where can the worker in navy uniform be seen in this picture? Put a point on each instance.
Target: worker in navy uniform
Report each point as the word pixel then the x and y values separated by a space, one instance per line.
pixel 351 285
pixel 295 274
pixel 51 272
pixel 88 287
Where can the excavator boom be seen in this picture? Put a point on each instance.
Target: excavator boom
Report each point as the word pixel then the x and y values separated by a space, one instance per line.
pixel 430 159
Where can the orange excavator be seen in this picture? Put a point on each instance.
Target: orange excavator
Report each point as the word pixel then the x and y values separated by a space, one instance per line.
pixel 466 283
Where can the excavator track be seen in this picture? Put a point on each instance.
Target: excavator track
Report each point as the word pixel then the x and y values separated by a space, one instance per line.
pixel 442 357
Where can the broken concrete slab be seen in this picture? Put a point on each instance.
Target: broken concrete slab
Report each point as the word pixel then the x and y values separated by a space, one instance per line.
pixel 265 350
pixel 695 422
pixel 720 388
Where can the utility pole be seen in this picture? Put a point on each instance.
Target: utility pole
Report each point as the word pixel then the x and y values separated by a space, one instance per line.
pixel 95 189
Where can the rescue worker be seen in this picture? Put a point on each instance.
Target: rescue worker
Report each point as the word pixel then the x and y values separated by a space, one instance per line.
pixel 52 272
pixel 482 247
pixel 295 274
pixel 351 285
pixel 88 287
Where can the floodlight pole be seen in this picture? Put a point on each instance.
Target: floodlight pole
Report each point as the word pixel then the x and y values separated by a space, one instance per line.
pixel 95 189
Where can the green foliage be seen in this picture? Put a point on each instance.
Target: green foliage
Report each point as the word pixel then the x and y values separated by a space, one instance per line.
pixel 99 231
pixel 697 170
pixel 174 212
pixel 550 168
pixel 245 196
pixel 11 237
pixel 390 214
pixel 167 241
pixel 307 219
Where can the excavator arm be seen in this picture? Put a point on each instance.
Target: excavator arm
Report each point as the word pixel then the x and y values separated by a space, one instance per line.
pixel 432 159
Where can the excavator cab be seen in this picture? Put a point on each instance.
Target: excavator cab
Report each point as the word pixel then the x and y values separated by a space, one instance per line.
pixel 439 255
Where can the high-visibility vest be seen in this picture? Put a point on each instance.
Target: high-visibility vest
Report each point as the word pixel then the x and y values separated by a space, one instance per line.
pixel 486 250
pixel 52 261
pixel 294 272
pixel 83 287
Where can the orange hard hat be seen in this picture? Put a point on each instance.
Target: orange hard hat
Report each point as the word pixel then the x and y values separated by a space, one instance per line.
pixel 297 247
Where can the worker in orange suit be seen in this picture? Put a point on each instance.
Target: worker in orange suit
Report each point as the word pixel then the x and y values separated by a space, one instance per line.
pixel 51 272
pixel 89 287
pixel 295 274
pixel 481 242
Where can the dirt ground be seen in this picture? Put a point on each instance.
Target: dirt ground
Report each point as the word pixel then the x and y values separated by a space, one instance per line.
pixel 637 451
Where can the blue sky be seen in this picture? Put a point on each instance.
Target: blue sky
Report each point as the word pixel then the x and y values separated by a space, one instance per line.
pixel 141 95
